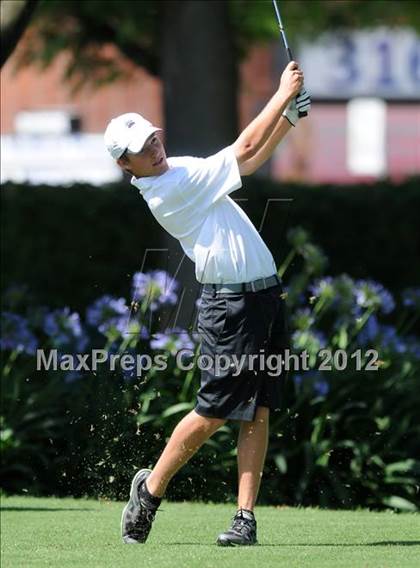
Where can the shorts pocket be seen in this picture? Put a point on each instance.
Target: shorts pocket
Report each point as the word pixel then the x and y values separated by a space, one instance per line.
pixel 212 318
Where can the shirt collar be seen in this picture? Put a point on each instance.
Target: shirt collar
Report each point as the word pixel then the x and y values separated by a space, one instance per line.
pixel 150 182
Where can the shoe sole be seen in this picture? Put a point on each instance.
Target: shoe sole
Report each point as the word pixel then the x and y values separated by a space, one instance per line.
pixel 134 500
pixel 223 542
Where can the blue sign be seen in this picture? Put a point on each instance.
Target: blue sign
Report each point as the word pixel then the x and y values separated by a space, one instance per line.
pixel 382 62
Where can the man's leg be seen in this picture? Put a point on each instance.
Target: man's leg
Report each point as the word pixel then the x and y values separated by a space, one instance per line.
pixel 188 436
pixel 252 449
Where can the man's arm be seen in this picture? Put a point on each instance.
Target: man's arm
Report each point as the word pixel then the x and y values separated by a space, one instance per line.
pixel 280 130
pixel 251 147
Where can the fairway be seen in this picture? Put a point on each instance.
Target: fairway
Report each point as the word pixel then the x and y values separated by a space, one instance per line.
pixel 72 532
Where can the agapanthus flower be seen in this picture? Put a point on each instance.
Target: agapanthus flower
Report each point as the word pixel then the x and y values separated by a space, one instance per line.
pixel 344 301
pixel 312 379
pixel 15 334
pixel 321 387
pixel 297 379
pixel 369 331
pixel 386 337
pixel 411 298
pixel 322 287
pixel 311 340
pixel 108 313
pixel 303 319
pixel 157 287
pixel 337 294
pixel 65 329
pixel 172 340
pixel 372 294
pixel 389 339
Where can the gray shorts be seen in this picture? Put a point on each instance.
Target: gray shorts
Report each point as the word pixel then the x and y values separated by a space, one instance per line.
pixel 241 324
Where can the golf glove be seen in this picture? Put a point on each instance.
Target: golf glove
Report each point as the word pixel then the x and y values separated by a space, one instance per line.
pixel 301 103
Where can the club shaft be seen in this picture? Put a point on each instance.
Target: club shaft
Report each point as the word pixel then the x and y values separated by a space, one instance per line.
pixel 286 45
pixel 282 32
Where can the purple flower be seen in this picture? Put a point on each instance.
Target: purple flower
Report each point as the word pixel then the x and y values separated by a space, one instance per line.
pixel 157 287
pixel 72 376
pixel 108 313
pixel 356 312
pixel 369 331
pixel 338 295
pixel 303 319
pixel 344 300
pixel 411 298
pixel 300 299
pixel 313 379
pixel 390 339
pixel 160 340
pixel 143 331
pixel 408 345
pixel 310 339
pixel 128 371
pixel 64 328
pixel 15 334
pixel 372 294
pixel 386 337
pixel 173 340
pixel 322 286
pixel 320 337
pixel 298 380
pixel 321 387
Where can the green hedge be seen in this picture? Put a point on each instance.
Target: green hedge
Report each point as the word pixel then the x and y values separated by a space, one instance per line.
pixel 70 245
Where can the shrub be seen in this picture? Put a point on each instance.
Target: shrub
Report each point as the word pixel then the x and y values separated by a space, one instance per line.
pixel 344 439
pixel 78 243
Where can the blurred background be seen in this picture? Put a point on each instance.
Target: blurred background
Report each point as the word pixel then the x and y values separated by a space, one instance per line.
pixel 59 91
pixel 338 204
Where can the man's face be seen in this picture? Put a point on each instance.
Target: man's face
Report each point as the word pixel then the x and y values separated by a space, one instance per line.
pixel 150 161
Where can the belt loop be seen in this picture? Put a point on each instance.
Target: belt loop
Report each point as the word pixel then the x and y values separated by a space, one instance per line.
pixel 214 288
pixel 243 287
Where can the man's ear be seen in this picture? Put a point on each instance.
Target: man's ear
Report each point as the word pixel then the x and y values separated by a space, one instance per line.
pixel 123 163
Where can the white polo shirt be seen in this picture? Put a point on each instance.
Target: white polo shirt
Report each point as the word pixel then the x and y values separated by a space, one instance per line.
pixel 191 201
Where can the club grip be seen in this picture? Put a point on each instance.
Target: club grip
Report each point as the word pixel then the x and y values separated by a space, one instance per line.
pixel 301 113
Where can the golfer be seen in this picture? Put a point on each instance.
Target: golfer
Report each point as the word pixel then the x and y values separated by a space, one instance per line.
pixel 241 309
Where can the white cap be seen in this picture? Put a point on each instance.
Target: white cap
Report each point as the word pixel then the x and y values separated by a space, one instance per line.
pixel 127 132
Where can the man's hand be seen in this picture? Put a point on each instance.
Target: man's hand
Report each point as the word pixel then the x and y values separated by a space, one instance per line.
pixel 291 81
pixel 301 103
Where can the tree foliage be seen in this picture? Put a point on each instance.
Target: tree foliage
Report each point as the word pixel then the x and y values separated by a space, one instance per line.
pixel 15 16
pixel 86 30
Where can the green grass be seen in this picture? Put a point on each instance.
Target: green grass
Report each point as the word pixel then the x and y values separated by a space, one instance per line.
pixel 70 532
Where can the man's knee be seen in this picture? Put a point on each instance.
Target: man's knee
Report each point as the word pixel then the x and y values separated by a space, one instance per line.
pixel 210 423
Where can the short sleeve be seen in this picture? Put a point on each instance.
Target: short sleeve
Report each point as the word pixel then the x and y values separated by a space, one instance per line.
pixel 210 179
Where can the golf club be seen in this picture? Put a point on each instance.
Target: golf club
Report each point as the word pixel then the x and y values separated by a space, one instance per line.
pixel 286 45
